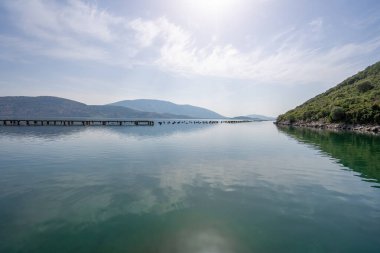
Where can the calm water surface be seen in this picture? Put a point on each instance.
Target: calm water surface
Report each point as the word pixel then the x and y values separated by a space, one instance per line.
pixel 224 188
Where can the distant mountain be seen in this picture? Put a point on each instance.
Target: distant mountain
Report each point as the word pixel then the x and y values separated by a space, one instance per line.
pixel 51 107
pixel 246 118
pixel 159 106
pixel 356 100
pixel 261 117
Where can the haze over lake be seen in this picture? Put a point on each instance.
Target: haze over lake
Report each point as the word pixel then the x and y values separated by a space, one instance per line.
pixel 188 188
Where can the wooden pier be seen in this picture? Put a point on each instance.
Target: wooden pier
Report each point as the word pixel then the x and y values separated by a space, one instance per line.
pixel 88 122
pixel 209 122
pixel 76 122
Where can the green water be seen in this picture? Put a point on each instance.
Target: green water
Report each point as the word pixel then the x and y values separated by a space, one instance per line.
pixel 223 188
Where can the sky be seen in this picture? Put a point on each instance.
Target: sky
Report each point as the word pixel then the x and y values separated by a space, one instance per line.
pixel 236 57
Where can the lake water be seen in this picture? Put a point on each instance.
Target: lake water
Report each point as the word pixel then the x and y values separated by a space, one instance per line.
pixel 182 188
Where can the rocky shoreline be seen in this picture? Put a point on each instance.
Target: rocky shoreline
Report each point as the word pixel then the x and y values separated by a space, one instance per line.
pixel 375 129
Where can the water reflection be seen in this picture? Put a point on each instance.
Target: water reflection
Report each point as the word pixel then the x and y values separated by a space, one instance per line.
pixel 222 188
pixel 39 132
pixel 359 152
pixel 53 132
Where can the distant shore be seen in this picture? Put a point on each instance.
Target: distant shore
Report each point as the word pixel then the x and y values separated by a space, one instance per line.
pixel 375 129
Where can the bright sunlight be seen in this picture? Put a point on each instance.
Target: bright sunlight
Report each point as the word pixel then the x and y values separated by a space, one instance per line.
pixel 211 7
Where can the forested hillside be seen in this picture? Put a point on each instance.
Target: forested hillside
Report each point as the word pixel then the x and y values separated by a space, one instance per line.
pixel 356 100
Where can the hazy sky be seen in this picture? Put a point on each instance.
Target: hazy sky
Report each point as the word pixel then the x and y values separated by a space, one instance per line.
pixel 236 57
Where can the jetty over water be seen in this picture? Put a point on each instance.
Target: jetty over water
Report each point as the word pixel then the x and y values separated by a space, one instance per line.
pixel 71 122
pixel 93 122
pixel 210 122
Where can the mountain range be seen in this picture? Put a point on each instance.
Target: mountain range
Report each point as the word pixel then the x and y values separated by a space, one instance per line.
pixel 55 107
pixel 159 106
pixel 261 117
pixel 22 107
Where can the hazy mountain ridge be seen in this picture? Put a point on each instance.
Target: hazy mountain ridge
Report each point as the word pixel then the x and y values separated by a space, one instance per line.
pixel 23 107
pixel 160 106
pixel 261 117
pixel 356 100
pixel 244 118
pixel 50 107
pixel 254 117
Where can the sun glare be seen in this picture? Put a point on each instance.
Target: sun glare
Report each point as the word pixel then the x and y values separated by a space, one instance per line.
pixel 211 7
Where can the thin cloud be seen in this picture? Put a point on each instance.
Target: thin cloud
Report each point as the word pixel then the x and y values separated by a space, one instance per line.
pixel 47 19
pixel 77 30
pixel 146 32
pixel 316 25
pixel 289 64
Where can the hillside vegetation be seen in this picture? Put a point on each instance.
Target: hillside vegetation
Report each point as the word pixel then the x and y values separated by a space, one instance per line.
pixel 356 100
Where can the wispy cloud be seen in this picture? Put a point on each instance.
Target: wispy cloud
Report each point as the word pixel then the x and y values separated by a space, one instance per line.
pixel 371 18
pixel 74 30
pixel 316 25
pixel 48 19
pixel 146 32
pixel 291 62
pixel 81 31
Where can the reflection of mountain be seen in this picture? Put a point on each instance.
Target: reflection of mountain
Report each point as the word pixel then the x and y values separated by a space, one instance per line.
pixel 43 132
pixel 360 153
pixel 157 130
pixel 48 132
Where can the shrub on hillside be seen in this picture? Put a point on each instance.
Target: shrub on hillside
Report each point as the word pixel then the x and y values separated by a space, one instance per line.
pixel 365 86
pixel 307 115
pixel 377 118
pixel 291 119
pixel 376 106
pixel 337 114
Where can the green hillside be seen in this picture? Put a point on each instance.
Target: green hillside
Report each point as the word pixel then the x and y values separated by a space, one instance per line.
pixel 356 100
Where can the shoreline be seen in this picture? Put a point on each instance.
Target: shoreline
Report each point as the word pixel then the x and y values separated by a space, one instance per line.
pixel 359 128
